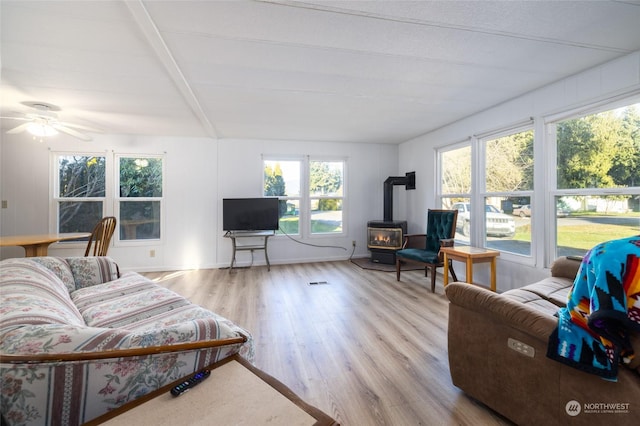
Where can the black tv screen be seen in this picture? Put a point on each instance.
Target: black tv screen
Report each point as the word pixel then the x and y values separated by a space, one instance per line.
pixel 250 214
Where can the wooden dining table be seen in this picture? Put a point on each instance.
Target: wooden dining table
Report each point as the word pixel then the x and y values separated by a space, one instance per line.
pixel 38 245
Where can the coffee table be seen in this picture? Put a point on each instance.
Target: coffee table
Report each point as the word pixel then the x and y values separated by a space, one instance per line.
pixel 470 255
pixel 236 393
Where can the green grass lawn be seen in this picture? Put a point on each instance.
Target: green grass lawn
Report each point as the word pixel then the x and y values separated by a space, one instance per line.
pixel 291 226
pixel 582 236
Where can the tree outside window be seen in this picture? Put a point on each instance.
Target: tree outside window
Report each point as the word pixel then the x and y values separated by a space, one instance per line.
pixel 317 200
pixel 80 194
pixel 597 195
pixel 140 197
pixel 326 180
pixel 509 183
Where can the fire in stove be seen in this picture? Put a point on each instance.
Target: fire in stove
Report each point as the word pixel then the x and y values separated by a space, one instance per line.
pixel 385 238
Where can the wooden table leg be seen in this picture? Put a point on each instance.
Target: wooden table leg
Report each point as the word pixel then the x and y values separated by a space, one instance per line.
pixel 446 269
pixel 493 274
pixel 469 270
pixel 34 250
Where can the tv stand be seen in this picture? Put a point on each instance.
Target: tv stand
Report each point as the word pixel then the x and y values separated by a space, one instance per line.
pixel 234 235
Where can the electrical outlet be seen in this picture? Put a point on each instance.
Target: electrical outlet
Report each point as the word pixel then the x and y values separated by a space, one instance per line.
pixel 353 243
pixel 152 253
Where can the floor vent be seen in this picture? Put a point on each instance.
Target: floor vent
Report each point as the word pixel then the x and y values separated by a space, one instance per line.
pixel 318 282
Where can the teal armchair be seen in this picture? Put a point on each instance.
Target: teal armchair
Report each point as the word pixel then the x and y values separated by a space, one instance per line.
pixel 425 248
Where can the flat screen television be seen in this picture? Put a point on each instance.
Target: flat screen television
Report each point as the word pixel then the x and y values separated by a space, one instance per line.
pixel 250 214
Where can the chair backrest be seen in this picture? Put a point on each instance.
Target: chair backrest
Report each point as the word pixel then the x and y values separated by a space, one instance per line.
pixel 100 238
pixel 441 224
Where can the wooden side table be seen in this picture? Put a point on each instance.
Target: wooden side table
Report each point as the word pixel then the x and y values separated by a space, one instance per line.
pixel 470 255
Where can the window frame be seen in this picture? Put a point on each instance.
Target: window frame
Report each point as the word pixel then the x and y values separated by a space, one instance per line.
pixel 552 192
pixel 118 199
pixel 484 193
pixel 54 189
pixel 304 198
pixel 111 199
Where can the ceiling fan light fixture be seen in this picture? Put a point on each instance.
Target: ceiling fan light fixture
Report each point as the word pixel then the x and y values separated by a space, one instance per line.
pixel 41 129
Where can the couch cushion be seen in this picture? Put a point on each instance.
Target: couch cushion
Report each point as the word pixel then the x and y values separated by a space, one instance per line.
pixel 554 289
pixel 531 299
pixel 60 267
pixel 129 283
pixel 131 307
pixel 32 294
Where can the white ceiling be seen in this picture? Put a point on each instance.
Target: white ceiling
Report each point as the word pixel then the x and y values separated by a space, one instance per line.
pixel 361 71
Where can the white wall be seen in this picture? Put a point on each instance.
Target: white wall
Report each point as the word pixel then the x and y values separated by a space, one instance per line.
pixel 618 78
pixel 199 172
pixel 368 165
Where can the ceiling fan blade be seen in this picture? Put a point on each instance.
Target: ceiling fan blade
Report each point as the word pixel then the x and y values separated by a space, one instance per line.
pixel 79 127
pixel 71 132
pixel 20 128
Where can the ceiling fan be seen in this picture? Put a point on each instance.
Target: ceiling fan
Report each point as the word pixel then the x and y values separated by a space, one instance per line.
pixel 43 122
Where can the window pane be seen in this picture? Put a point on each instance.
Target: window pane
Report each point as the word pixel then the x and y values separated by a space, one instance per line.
pixel 463 223
pixel 326 215
pixel 141 177
pixel 456 171
pixel 139 220
pixel 509 163
pixel 290 218
pixel 281 178
pixel 600 150
pixel 584 221
pixel 508 227
pixel 81 176
pixel 78 216
pixel 326 178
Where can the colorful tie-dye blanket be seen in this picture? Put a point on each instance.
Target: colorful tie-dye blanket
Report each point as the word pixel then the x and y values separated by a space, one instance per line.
pixel 603 307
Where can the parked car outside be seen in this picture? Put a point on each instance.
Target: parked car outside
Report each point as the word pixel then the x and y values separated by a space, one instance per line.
pixel 562 209
pixel 498 224
pixel 522 211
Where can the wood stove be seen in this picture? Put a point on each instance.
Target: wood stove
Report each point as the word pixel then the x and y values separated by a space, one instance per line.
pixel 385 237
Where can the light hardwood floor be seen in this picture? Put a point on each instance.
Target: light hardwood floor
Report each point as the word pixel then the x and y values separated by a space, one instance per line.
pixel 364 348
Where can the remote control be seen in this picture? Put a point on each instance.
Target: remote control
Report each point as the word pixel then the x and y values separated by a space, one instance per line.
pixel 188 384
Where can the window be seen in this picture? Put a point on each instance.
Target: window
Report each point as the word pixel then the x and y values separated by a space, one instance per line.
pixel 326 179
pixel 504 189
pixel 80 191
pixel 597 190
pixel 508 163
pixel 83 193
pixel 311 193
pixel 140 197
pixel 455 187
pixel 282 179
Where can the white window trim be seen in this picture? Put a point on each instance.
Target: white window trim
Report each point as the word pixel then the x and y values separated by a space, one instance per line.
pixel 117 241
pixel 305 197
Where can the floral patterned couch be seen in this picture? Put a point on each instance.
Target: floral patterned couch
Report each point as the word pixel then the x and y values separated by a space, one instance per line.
pixel 77 339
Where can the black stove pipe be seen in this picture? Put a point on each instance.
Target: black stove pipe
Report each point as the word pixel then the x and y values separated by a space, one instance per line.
pixel 409 182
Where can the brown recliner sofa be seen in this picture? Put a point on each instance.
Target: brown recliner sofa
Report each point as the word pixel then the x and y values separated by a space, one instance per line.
pixel 497 355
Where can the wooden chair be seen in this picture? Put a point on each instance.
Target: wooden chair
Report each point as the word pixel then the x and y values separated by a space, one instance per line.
pixel 425 248
pixel 100 238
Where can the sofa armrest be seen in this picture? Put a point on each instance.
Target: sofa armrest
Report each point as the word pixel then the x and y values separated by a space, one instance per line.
pixel 59 343
pixel 502 309
pixel 566 267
